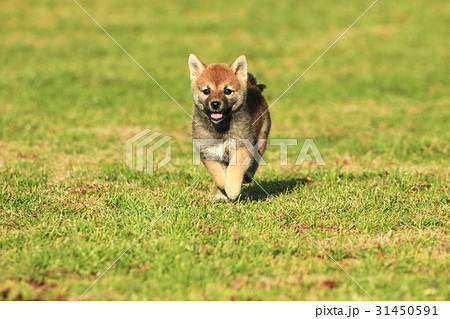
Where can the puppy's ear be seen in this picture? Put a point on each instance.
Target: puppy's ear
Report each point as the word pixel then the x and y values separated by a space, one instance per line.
pixel 196 67
pixel 239 67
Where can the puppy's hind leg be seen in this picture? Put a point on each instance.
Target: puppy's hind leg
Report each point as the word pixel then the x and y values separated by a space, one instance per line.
pixel 250 173
pixel 248 176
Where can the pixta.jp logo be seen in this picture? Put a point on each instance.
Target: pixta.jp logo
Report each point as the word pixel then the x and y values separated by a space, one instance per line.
pixel 142 146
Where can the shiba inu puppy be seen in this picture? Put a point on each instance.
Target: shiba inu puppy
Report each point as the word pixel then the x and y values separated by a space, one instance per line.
pixel 230 124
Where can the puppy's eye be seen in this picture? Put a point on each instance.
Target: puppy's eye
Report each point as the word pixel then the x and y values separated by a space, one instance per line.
pixel 206 91
pixel 227 91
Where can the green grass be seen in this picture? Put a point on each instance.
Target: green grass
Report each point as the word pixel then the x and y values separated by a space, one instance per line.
pixel 376 106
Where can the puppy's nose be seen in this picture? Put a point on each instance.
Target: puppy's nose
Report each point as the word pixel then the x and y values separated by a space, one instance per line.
pixel 215 105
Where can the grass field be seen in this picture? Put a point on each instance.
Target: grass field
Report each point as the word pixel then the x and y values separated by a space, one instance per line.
pixel 376 105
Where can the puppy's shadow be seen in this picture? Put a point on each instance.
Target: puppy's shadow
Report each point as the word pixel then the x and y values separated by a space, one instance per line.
pixel 255 192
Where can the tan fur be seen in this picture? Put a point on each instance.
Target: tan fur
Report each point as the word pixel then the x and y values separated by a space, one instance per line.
pixel 217 170
pixel 235 172
pixel 230 162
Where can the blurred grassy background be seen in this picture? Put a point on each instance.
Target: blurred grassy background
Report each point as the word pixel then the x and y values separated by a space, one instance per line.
pixel 376 105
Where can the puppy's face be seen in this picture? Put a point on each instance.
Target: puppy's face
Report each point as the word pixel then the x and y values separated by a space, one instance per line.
pixel 218 89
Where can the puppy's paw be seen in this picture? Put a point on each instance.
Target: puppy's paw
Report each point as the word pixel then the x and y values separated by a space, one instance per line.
pixel 233 191
pixel 220 195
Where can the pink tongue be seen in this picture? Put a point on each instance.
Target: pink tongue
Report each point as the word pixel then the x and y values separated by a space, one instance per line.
pixel 216 116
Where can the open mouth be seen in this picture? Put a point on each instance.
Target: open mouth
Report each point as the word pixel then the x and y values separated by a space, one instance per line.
pixel 216 116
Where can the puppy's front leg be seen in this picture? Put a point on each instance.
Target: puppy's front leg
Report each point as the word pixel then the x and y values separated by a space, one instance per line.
pixel 239 163
pixel 217 170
